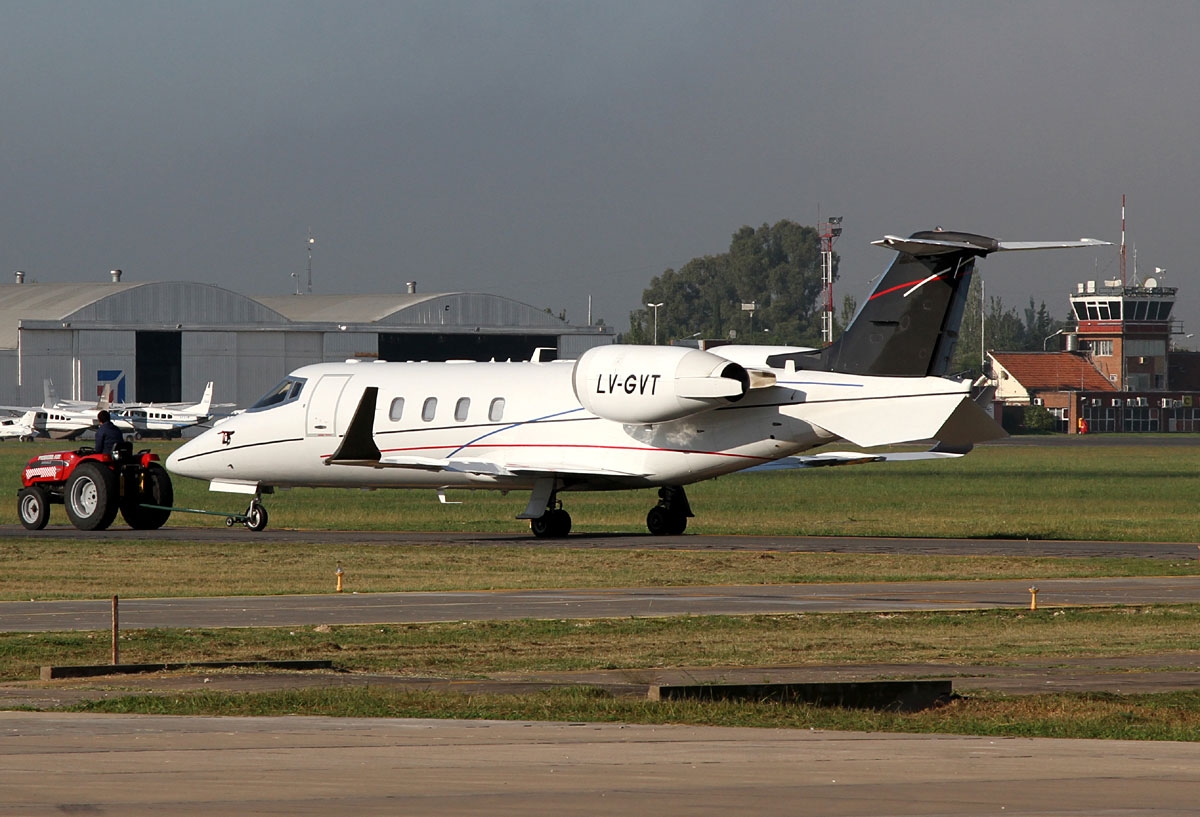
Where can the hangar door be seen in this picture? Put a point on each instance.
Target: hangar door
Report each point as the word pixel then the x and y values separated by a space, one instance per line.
pixel 159 367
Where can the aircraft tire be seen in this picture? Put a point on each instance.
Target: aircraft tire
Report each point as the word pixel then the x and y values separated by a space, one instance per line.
pixel 553 524
pixel 256 517
pixel 662 521
pixel 33 506
pixel 156 490
pixel 91 497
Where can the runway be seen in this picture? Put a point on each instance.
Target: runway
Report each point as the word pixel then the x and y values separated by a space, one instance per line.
pixel 53 764
pixel 631 541
pixel 396 608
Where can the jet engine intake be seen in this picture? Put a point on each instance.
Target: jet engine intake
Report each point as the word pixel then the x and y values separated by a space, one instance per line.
pixel 654 384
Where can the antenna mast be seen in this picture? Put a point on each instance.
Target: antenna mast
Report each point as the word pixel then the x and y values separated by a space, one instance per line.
pixel 1122 240
pixel 831 228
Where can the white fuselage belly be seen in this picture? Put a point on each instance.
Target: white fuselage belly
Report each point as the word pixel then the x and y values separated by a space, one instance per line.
pixel 543 427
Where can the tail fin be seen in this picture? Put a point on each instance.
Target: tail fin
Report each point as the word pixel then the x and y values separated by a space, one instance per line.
pixel 205 402
pixel 909 324
pixel 49 395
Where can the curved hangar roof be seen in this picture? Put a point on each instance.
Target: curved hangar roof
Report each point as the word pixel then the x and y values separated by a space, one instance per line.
pixel 190 304
pixel 437 308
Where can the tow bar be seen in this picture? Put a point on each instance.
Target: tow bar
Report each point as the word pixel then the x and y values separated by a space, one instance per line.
pixel 254 517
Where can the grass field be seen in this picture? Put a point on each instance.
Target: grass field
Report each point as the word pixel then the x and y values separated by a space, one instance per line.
pixel 1118 492
pixel 1112 492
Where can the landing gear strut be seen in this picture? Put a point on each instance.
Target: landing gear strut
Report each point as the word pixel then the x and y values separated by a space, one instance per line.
pixel 669 517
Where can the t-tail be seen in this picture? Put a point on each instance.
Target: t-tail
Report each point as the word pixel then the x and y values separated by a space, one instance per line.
pixel 909 325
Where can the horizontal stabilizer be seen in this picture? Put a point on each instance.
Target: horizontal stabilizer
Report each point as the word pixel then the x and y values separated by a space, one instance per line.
pixel 1016 246
pixel 951 418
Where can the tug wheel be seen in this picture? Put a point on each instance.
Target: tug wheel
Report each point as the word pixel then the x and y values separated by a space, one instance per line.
pixel 33 506
pixel 91 497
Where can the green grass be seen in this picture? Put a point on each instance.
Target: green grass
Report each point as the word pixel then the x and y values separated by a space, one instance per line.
pixel 480 649
pixel 87 568
pixel 1073 491
pixel 1170 716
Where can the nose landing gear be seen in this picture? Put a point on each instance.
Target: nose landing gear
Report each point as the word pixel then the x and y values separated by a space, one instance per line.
pixel 255 517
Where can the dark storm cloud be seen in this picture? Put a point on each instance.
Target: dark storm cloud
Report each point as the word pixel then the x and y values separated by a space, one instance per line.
pixel 548 151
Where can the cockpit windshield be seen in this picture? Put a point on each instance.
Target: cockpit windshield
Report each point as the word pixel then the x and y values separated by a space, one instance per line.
pixel 287 391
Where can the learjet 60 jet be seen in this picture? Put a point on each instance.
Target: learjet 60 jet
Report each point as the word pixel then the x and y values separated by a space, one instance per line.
pixel 621 416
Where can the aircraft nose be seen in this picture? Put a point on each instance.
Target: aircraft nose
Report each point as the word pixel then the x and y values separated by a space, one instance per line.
pixel 182 461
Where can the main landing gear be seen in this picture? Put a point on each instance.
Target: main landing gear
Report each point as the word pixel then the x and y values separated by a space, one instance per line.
pixel 555 523
pixel 668 518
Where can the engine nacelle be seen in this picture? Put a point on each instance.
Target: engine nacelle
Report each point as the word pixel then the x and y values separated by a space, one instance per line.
pixel 654 384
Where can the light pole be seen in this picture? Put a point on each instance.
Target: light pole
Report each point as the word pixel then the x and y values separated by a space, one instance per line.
pixel 311 241
pixel 655 308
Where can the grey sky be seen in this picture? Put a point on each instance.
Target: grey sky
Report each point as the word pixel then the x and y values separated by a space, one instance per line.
pixel 546 151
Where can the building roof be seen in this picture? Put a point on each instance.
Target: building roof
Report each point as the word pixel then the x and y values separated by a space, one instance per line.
pixel 450 309
pixel 1053 371
pixel 131 303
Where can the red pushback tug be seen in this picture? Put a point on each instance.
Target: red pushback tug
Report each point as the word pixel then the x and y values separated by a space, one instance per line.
pixel 94 487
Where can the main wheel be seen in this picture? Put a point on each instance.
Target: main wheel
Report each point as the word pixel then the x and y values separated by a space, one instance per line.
pixel 154 489
pixel 553 524
pixel 91 497
pixel 661 521
pixel 33 506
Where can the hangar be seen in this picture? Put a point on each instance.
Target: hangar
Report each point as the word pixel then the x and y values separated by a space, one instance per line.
pixel 162 341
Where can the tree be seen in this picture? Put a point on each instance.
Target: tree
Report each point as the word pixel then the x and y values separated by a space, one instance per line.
pixel 776 268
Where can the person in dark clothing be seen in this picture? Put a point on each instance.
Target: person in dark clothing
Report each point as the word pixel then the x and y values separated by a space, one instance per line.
pixel 107 435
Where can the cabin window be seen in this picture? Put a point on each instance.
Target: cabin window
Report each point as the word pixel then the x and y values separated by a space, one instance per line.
pixel 429 409
pixel 285 391
pixel 496 410
pixel 397 409
pixel 460 409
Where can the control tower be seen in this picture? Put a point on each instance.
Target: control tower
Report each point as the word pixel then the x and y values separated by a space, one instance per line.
pixel 1127 331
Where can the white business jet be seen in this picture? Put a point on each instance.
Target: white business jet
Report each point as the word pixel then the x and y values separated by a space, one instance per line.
pixel 622 417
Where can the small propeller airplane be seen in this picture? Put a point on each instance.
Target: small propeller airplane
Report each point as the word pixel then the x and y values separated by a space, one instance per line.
pixel 23 428
pixel 163 419
pixel 624 417
pixel 61 419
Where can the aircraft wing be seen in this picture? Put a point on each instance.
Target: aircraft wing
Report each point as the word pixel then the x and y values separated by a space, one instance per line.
pixel 829 458
pixel 483 467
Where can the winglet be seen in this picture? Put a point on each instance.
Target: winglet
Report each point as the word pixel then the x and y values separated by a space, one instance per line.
pixel 358 445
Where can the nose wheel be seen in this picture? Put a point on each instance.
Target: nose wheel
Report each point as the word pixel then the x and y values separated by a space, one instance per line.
pixel 255 517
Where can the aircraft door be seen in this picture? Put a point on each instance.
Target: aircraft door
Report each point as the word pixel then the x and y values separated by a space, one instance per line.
pixel 322 406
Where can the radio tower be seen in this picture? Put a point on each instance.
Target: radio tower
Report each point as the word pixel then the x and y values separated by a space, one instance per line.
pixel 1123 242
pixel 831 228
